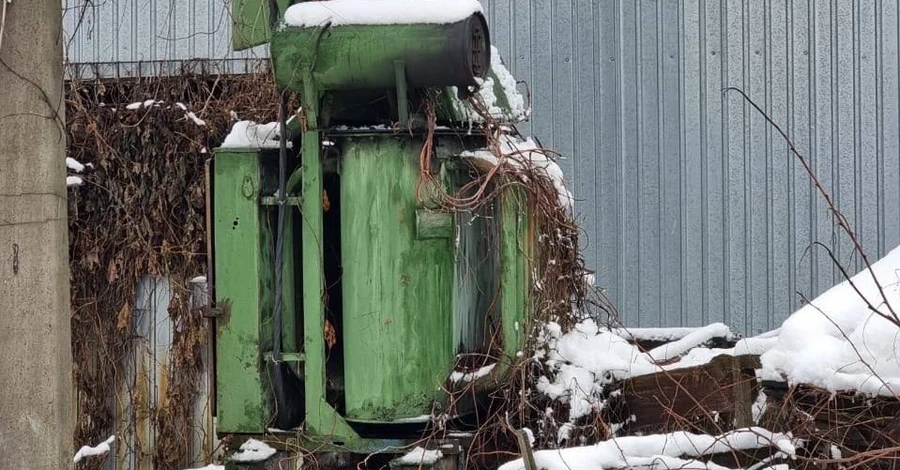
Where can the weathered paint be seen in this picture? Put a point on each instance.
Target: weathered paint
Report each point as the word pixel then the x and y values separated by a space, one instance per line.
pixel 432 52
pixel 251 20
pixel 397 288
pixel 476 290
pixel 142 389
pixel 517 250
pixel 240 276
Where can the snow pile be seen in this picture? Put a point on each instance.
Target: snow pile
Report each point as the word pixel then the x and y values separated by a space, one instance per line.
pixel 253 451
pixel 487 93
pixel 74 181
pixel 419 456
pixel 371 12
pixel 248 134
pixel 658 451
pixel 587 358
pixel 837 343
pixel 526 154
pixel 100 449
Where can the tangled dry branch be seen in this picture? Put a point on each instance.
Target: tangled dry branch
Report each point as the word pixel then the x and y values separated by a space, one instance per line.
pixel 141 212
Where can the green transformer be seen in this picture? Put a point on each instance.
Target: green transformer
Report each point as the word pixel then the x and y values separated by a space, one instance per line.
pixel 348 295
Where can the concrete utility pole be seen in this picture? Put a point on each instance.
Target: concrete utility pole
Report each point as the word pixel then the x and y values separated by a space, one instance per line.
pixel 36 412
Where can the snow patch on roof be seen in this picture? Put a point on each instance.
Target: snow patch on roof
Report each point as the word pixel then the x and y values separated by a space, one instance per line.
pixel 380 12
pixel 837 343
pixel 248 134
pixel 253 451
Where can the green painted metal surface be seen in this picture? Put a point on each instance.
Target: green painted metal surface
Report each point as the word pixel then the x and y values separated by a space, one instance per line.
pixel 245 264
pixel 517 251
pixel 432 54
pixel 321 417
pixel 251 20
pixel 240 392
pixel 397 289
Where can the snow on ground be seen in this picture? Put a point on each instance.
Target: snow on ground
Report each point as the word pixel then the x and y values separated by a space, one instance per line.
pixel 248 134
pixel 370 12
pixel 100 449
pixel 420 456
pixel 837 343
pixel 74 181
pixel 521 154
pixel 674 450
pixel 253 451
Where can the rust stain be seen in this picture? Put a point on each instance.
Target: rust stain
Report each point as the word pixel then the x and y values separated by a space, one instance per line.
pixel 162 385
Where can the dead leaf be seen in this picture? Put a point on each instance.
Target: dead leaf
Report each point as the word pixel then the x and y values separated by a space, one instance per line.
pixel 330 335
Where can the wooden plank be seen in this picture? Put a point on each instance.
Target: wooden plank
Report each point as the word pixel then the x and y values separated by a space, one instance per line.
pixel 701 398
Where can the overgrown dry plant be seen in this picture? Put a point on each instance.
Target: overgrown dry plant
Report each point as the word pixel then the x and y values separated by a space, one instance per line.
pixel 141 212
pixel 844 430
pixel 839 431
pixel 557 284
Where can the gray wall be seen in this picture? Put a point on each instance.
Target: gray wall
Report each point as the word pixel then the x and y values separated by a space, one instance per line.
pixel 692 208
pixel 123 38
pixel 693 211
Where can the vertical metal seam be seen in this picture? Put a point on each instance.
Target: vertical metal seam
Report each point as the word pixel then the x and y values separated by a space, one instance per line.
pixel 812 84
pixel 682 170
pixel 726 166
pixel 858 220
pixel 879 125
pixel 639 69
pixel 747 169
pixel 661 179
pixel 836 128
pixel 704 168
pixel 791 177
pixel 770 168
pixel 598 124
pixel 620 144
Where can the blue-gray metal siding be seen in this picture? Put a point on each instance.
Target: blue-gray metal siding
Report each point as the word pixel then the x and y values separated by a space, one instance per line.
pixel 122 38
pixel 693 210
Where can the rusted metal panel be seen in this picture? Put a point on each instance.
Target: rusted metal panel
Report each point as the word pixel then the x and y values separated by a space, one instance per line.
pixel 143 390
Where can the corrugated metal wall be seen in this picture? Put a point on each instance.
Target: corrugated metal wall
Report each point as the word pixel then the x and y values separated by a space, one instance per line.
pixel 124 38
pixel 692 208
pixel 693 211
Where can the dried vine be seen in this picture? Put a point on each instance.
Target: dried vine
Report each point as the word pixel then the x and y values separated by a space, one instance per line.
pixel 140 212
